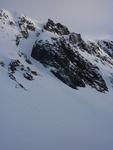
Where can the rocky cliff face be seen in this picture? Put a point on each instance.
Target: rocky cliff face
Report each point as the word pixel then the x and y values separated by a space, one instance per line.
pixel 62 53
pixel 68 65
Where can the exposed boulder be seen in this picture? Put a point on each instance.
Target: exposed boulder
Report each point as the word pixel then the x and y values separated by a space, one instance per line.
pixel 28 76
pixel 56 28
pixel 75 38
pixel 2 64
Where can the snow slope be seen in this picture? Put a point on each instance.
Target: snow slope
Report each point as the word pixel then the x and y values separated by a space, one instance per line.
pixel 49 115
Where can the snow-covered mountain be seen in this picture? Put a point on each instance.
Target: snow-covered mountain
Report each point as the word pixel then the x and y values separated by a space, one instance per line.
pixel 56 90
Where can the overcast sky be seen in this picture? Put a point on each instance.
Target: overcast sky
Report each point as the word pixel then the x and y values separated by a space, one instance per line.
pixel 89 17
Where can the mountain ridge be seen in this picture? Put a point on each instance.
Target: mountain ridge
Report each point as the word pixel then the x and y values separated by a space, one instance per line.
pixel 55 46
pixel 56 90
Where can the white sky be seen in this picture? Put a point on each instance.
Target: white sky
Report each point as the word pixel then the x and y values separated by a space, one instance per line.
pixel 89 17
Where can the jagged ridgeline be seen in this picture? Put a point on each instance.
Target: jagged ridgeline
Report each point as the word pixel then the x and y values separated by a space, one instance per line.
pixel 62 54
pixel 73 60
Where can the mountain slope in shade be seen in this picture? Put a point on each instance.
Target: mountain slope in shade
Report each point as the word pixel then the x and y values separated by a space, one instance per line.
pixel 56 89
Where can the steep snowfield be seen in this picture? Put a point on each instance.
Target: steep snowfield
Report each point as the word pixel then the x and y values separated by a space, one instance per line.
pixel 49 115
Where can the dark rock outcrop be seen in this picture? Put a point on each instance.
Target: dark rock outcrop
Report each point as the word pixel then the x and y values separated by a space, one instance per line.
pixel 25 26
pixel 67 63
pixel 16 66
pixel 107 46
pixel 3 15
pixel 56 28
